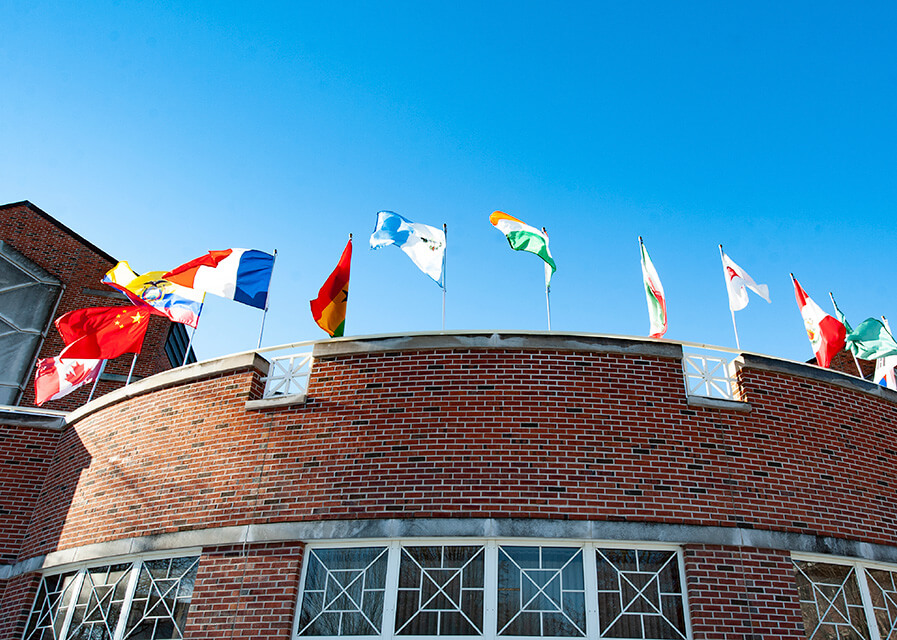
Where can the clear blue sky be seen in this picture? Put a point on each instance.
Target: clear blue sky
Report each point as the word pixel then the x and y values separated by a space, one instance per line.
pixel 162 130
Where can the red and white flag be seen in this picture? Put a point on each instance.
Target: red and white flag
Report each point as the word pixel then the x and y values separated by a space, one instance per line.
pixel 738 282
pixel 825 332
pixel 56 377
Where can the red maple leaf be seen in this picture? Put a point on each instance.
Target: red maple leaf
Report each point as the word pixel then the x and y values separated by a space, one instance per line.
pixel 77 373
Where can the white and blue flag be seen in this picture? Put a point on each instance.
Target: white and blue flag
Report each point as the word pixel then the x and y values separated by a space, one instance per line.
pixel 425 245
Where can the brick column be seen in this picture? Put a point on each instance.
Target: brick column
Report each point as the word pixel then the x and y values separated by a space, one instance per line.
pixel 742 593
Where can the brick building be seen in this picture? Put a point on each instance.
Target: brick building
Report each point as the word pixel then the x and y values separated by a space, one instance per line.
pixel 460 484
pixel 47 270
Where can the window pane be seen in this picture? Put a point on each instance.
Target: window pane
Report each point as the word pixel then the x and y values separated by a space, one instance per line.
pixel 883 592
pixel 830 601
pixel 440 591
pixel 540 591
pixel 99 602
pixel 343 592
pixel 639 594
pixel 162 598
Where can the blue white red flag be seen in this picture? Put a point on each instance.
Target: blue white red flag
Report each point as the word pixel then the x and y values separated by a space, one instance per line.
pixel 425 245
pixel 243 275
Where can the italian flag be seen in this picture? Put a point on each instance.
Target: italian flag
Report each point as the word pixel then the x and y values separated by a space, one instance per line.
pixel 657 302
pixel 826 334
pixel 523 237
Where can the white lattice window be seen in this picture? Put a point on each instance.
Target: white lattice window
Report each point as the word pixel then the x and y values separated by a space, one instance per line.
pixel 146 599
pixel 847 600
pixel 491 589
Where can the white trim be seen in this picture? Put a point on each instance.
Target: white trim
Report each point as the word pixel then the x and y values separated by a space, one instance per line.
pixel 121 559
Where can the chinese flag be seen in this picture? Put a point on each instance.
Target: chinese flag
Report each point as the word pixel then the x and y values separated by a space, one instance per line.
pixel 103 332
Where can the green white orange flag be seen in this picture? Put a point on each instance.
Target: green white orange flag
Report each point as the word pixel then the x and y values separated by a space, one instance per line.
pixel 523 237
pixel 329 308
pixel 657 302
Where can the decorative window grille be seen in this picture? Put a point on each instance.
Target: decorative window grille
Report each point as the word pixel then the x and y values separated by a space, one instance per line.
pixel 146 599
pixel 288 375
pixel 853 600
pixel 492 590
pixel 709 377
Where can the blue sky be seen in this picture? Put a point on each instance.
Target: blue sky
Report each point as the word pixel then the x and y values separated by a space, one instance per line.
pixel 162 130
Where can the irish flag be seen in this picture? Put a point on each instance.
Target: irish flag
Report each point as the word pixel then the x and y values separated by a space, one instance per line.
pixel 826 334
pixel 329 308
pixel 657 302
pixel 523 237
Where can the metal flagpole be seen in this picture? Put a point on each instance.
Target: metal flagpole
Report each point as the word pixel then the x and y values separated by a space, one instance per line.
pixel 547 286
pixel 445 233
pixel 193 333
pixel 855 361
pixel 265 313
pixel 94 387
pixel 732 311
pixel 133 362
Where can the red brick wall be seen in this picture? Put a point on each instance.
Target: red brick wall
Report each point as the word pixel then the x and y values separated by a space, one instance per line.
pixel 478 434
pixel 245 593
pixel 25 454
pixel 16 597
pixel 742 593
pixel 79 266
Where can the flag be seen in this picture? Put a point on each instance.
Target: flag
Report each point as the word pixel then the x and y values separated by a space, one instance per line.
pixel 329 308
pixel 657 302
pixel 884 372
pixel 243 275
pixel 738 282
pixel 523 237
pixel 179 304
pixel 56 377
pixel 425 245
pixel 826 333
pixel 870 340
pixel 103 332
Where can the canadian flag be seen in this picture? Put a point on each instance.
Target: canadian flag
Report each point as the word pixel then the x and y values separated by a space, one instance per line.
pixel 56 377
pixel 825 332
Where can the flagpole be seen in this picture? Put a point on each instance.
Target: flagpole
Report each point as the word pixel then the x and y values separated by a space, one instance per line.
pixel 193 333
pixel 855 361
pixel 732 311
pixel 445 233
pixel 133 362
pixel 547 288
pixel 265 313
pixel 94 387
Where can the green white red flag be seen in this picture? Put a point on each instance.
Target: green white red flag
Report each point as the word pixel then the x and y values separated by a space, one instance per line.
pixel 657 302
pixel 826 333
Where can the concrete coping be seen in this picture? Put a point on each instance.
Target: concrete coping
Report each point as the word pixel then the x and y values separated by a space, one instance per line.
pixel 719 403
pixel 32 417
pixel 181 375
pixel 276 402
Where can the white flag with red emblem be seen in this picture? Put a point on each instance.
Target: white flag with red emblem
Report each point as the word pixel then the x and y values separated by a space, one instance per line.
pixel 738 282
pixel 826 333
pixel 56 378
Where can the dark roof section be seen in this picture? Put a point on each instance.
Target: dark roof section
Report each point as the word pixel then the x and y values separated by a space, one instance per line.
pixel 87 243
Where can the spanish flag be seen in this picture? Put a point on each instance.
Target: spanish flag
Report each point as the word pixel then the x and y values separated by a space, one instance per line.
pixel 329 308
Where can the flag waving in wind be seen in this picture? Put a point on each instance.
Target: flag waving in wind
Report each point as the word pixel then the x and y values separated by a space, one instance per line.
pixel 329 308
pixel 870 340
pixel 657 302
pixel 738 282
pixel 103 332
pixel 425 245
pixel 523 237
pixel 178 303
pixel 826 333
pixel 56 377
pixel 243 275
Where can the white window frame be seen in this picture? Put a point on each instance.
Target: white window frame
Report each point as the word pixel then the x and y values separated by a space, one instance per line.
pixel 135 560
pixel 859 567
pixel 490 583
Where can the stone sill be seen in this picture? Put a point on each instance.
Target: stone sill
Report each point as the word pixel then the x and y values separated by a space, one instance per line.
pixel 719 403
pixel 276 402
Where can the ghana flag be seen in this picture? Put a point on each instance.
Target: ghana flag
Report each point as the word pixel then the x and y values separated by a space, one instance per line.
pixel 329 308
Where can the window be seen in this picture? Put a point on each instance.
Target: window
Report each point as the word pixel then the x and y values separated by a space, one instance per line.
pixel 140 599
pixel 849 601
pixel 495 590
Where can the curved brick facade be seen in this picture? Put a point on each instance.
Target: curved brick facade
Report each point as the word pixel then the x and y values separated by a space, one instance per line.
pixel 490 436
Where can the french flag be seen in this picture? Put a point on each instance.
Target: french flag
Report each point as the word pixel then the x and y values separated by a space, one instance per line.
pixel 243 275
